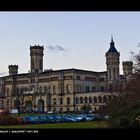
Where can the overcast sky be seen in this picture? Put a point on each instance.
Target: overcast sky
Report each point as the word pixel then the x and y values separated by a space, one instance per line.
pixel 71 39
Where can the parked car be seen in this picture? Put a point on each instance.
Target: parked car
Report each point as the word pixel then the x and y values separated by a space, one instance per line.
pixel 49 112
pixel 42 119
pixel 30 119
pixel 13 111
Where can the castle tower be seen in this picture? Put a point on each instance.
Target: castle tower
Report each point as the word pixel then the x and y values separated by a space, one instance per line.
pixel 127 68
pixel 13 69
pixel 36 53
pixel 112 63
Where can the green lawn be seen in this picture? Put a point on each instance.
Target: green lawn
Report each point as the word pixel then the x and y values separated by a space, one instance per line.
pixel 92 124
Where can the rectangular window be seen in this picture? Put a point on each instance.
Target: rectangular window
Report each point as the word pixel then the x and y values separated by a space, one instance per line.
pixel 68 101
pixel 61 109
pixel 110 73
pixel 61 101
pixel 78 88
pixel 114 73
pixel 54 89
pixel 87 88
pixel 40 64
pixel 78 77
pixel 54 109
pixel 102 79
pixel 93 79
pixel 93 89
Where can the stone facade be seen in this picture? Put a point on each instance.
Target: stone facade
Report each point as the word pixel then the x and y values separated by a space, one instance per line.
pixel 58 90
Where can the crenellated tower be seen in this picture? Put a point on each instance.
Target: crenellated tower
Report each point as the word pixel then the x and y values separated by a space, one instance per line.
pixel 127 68
pixel 13 69
pixel 36 53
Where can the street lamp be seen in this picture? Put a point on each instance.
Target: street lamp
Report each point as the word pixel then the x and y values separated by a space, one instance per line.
pixel 17 104
pixel 2 103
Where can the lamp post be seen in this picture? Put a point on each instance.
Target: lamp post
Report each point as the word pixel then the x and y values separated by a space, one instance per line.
pixel 74 104
pixel 2 102
pixel 18 104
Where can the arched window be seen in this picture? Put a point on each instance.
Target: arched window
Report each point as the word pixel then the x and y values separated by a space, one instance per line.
pixel 61 101
pixel 7 91
pixel 76 100
pixel 81 100
pixel 40 89
pixel 95 99
pixel 100 99
pixel 25 88
pixel 68 100
pixel 17 91
pixel 109 97
pixel 85 99
pixel 68 88
pixel 90 100
pixel 40 105
pixel 32 88
pixel 45 89
pixel 21 90
pixel 104 99
pixel 54 90
pixel 54 101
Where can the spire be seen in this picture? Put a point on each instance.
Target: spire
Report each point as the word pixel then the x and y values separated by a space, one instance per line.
pixel 112 42
pixel 112 48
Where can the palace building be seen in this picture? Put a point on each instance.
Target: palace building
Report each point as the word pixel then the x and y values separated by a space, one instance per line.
pixel 60 90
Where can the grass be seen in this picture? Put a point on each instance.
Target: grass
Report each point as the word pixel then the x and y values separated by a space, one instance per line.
pixel 92 124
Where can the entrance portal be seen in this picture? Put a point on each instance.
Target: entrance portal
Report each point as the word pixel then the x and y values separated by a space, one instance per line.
pixel 28 106
pixel 40 107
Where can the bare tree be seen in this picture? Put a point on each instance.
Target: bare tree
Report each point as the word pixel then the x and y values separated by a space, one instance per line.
pixel 125 108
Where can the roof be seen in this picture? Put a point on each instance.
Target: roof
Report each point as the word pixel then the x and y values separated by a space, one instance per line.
pixel 112 48
pixel 51 72
pixel 74 70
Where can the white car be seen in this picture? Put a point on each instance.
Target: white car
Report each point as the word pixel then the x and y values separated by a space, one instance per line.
pixel 49 112
pixel 13 111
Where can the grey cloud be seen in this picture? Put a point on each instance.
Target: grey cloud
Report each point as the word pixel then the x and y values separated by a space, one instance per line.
pixel 56 48
pixel 50 47
pixel 60 48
